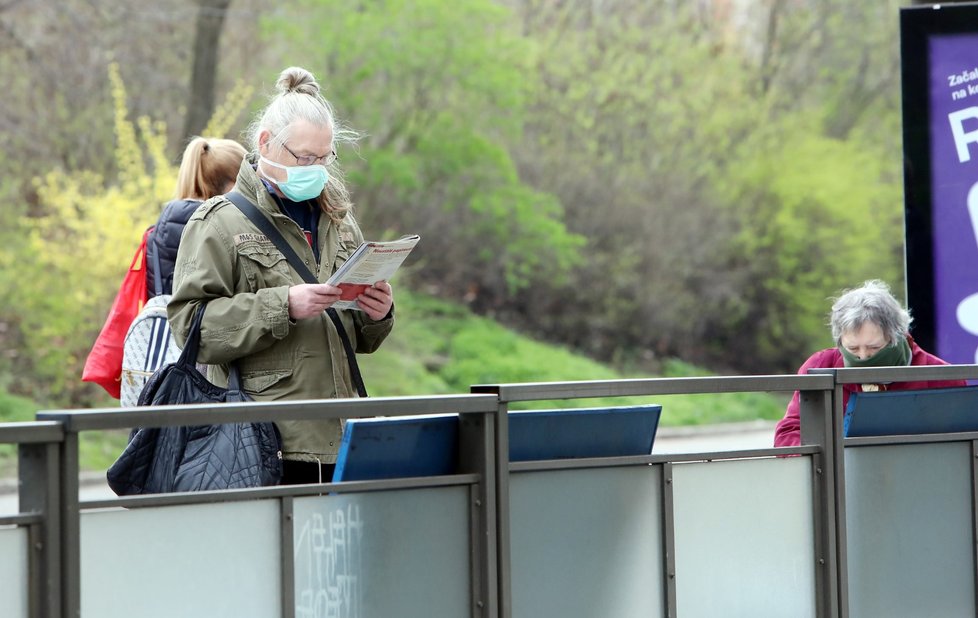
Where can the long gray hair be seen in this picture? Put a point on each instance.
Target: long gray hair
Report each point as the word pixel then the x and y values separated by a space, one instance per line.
pixel 298 98
pixel 872 302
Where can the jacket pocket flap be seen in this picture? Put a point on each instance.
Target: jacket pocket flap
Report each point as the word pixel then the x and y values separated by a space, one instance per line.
pixel 260 381
pixel 266 256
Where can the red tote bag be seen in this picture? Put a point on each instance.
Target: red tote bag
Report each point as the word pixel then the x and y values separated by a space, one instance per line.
pixel 104 363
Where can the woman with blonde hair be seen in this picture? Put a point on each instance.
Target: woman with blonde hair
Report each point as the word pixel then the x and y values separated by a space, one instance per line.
pixel 208 168
pixel 129 348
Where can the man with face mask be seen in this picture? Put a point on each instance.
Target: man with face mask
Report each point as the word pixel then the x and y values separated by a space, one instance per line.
pixel 871 329
pixel 260 315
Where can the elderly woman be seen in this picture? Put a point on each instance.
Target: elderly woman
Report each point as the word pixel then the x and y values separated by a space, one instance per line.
pixel 260 314
pixel 871 329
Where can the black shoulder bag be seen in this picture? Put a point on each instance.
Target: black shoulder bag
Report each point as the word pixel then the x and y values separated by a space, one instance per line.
pixel 199 457
pixel 266 226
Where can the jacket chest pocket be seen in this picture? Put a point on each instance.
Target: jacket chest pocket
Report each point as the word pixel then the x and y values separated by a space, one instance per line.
pixel 263 266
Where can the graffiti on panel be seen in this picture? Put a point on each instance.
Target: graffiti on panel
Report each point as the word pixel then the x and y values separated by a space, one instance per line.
pixel 328 581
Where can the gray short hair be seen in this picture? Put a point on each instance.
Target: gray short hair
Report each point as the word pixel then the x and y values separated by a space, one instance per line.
pixel 874 303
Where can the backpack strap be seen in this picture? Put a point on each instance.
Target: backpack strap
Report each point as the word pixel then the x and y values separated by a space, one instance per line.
pixel 269 229
pixel 157 268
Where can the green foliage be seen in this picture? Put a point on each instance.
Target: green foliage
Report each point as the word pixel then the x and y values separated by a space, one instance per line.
pixel 636 180
pixel 707 409
pixel 439 87
pixel 462 349
pixel 97 449
pixel 843 65
pixel 230 110
pixel 727 188
pixel 488 353
pixel 818 214
pixel 82 240
pixel 13 410
pixel 440 347
pixel 632 123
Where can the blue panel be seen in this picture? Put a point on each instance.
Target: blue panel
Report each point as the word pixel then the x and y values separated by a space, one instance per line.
pixel 398 447
pixel 575 433
pixel 944 410
pixel 383 448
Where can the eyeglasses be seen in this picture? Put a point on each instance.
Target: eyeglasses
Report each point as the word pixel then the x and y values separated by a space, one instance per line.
pixel 326 159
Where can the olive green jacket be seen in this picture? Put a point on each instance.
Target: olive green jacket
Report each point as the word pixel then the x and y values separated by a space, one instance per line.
pixel 227 262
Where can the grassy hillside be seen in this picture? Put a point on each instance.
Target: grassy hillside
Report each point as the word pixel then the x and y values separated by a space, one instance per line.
pixel 438 348
pixel 97 449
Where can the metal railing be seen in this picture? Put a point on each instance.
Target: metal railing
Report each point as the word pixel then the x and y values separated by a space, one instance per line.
pixel 50 509
pixel 56 497
pixel 815 389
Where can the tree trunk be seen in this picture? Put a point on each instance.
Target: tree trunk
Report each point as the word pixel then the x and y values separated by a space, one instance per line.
pixel 207 38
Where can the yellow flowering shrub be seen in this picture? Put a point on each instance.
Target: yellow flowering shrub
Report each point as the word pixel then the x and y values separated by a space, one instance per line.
pixel 83 242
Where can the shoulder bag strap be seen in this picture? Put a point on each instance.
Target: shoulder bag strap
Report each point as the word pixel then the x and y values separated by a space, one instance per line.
pixel 266 226
pixel 188 358
pixel 188 355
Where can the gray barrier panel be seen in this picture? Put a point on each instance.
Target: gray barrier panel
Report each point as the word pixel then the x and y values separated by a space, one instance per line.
pixel 587 542
pixel 745 538
pixel 398 553
pixel 13 572
pixel 909 530
pixel 207 561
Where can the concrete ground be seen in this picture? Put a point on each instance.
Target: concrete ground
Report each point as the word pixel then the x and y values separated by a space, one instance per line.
pixel 721 437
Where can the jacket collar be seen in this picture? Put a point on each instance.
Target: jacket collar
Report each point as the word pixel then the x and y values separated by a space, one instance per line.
pixel 250 185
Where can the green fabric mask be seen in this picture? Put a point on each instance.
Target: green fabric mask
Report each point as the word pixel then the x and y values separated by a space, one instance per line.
pixel 897 355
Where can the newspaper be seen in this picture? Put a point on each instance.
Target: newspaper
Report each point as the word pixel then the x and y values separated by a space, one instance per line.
pixel 372 262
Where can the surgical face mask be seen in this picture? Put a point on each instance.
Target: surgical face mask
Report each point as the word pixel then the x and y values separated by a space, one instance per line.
pixel 303 182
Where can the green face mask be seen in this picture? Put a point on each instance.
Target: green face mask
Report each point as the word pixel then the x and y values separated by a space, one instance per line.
pixel 897 355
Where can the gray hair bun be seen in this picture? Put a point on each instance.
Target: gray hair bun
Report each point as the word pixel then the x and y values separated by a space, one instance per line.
pixel 297 79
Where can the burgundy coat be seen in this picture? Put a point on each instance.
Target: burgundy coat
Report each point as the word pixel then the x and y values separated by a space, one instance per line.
pixel 788 430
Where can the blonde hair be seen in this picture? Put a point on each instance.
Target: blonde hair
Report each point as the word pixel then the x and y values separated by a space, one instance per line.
pixel 207 166
pixel 298 98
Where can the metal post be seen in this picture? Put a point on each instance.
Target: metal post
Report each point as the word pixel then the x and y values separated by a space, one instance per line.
pixel 502 512
pixel 287 558
pixel 70 528
pixel 668 541
pixel 38 476
pixel 477 455
pixel 839 471
pixel 974 514
pixel 816 428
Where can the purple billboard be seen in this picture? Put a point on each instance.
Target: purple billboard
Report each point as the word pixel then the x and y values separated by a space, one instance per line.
pixel 939 62
pixel 953 96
